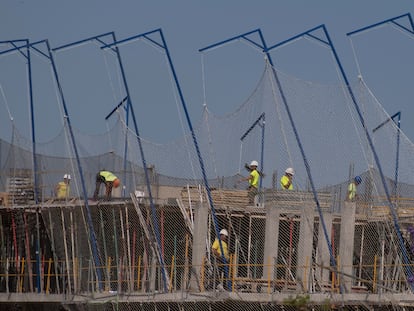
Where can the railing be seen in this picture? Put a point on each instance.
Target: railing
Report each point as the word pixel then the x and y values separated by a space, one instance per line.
pixel 122 278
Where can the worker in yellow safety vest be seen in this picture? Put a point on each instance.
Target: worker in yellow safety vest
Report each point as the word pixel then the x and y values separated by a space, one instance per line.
pixel 253 179
pixel 110 181
pixel 62 189
pixel 286 182
pixel 352 188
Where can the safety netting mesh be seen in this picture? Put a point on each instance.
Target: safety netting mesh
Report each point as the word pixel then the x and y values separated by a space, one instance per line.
pixel 149 246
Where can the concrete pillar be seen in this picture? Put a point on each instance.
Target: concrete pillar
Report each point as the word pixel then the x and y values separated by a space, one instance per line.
pixel 305 247
pixel 271 242
pixel 199 243
pixel 323 259
pixel 346 243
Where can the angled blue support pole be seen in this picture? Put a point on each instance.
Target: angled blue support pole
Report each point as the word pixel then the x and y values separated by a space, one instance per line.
pixel 22 46
pixel 260 121
pixel 130 107
pixel 95 251
pixel 244 36
pixel 302 151
pixel 123 101
pixel 261 46
pixel 327 42
pixel 393 21
pixel 162 44
pixel 101 39
pixel 397 153
pixel 116 108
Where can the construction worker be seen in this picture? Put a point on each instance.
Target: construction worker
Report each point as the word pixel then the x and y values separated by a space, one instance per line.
pixel 352 188
pixel 286 182
pixel 253 180
pixel 110 181
pixel 221 260
pixel 62 189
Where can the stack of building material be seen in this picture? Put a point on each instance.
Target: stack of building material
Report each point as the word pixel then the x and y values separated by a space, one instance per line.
pixel 221 198
pixel 20 187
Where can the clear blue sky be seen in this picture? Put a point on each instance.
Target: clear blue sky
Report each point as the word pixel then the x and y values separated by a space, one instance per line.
pixel 384 56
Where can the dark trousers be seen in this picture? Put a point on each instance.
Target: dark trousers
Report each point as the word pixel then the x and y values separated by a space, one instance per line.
pixel 108 187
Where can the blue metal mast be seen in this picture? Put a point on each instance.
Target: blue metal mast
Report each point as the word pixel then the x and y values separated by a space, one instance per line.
pixel 260 121
pixel 95 251
pixel 266 50
pixel 24 50
pixel 305 160
pixel 397 153
pixel 327 42
pixel 162 44
pixel 395 21
pixel 100 39
pixel 261 46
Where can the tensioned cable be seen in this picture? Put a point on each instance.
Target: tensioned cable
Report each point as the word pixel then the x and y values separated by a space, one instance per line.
pixel 6 103
pixel 113 96
pixel 355 57
pixel 363 84
pixel 71 152
pixel 206 116
pixel 278 112
pixel 175 92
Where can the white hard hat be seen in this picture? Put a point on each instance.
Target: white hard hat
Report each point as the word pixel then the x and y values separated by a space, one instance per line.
pixel 254 163
pixel 290 171
pixel 66 176
pixel 224 232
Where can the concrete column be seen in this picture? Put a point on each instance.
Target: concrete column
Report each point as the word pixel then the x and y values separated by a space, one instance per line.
pixel 199 243
pixel 346 243
pixel 323 259
pixel 305 246
pixel 271 242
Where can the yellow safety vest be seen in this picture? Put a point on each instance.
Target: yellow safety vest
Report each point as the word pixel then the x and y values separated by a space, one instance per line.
pixel 254 182
pixel 108 175
pixel 284 181
pixel 63 190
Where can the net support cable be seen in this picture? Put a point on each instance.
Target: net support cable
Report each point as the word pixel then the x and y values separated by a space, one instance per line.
pixel 162 44
pixel 92 234
pixel 394 22
pixel 261 47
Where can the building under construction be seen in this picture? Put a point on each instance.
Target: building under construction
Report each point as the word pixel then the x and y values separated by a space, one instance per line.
pixel 149 246
pixel 279 254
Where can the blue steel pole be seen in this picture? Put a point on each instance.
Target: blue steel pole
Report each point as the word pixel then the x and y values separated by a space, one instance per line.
pixel 144 163
pixel 35 176
pixel 302 151
pixel 98 38
pixel 397 156
pixel 384 183
pixel 200 159
pixel 261 47
pixel 34 158
pixel 33 135
pixel 262 126
pixel 35 169
pixel 390 20
pixel 362 121
pixel 93 240
pixel 392 208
